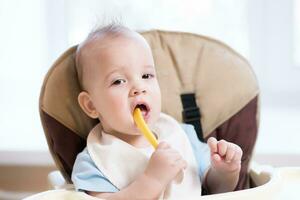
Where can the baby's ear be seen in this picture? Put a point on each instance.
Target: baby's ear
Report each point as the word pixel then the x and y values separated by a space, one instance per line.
pixel 87 105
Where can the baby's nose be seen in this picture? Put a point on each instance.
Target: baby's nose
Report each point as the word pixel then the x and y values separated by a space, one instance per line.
pixel 137 91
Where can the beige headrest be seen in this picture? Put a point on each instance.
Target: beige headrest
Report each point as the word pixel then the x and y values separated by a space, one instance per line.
pixel 222 80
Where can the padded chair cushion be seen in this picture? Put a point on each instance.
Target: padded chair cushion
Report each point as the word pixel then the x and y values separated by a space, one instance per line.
pixel 222 80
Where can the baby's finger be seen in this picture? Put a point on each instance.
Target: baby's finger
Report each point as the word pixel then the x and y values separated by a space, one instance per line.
pixel 215 159
pixel 183 164
pixel 222 147
pixel 163 145
pixel 173 155
pixel 238 154
pixel 212 143
pixel 180 163
pixel 230 153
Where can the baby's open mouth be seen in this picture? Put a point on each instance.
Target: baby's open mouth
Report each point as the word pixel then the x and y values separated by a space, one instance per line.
pixel 144 109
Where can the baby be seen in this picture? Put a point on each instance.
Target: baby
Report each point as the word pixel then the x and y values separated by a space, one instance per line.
pixel 117 74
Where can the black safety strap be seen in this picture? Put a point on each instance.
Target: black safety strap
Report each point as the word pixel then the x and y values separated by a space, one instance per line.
pixel 191 113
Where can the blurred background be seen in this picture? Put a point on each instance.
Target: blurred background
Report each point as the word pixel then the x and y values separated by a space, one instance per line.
pixel 34 33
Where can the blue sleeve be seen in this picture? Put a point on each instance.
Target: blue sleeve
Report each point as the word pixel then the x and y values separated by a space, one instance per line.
pixel 201 150
pixel 86 176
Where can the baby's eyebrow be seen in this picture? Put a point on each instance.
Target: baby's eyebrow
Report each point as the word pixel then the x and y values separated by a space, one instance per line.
pixel 149 67
pixel 113 71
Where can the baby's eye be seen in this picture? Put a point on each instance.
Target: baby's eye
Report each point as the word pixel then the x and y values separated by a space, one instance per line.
pixel 147 76
pixel 118 82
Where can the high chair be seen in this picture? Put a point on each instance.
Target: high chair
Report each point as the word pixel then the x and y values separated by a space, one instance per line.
pixel 203 82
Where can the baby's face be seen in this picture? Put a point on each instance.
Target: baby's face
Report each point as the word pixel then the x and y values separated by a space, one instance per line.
pixel 123 77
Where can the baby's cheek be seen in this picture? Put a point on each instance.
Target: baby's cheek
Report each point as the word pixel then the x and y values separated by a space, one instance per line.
pixel 118 107
pixel 157 101
pixel 115 99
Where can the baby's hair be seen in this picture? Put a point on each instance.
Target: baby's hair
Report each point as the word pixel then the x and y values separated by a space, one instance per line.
pixel 111 30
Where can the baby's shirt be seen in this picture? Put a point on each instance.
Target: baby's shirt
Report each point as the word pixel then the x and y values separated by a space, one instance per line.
pixel 86 176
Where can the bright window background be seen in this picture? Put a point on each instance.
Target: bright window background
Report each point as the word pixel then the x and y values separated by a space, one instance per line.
pixel 215 18
pixel 297 32
pixel 23 63
pixel 34 33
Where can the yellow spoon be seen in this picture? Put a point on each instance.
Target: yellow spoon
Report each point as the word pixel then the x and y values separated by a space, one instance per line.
pixel 141 124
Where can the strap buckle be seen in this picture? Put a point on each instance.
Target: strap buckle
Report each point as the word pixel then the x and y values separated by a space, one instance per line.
pixel 191 114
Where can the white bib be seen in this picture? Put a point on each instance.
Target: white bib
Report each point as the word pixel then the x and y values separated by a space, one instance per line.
pixel 121 163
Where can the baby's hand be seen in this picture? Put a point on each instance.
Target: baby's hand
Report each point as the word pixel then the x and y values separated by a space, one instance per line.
pixel 225 156
pixel 164 164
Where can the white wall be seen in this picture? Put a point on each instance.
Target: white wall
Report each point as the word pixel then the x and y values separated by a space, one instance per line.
pixel 272 44
pixel 23 60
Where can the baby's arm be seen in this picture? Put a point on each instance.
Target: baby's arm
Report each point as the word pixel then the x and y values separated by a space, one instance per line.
pixel 164 164
pixel 223 174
